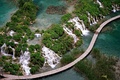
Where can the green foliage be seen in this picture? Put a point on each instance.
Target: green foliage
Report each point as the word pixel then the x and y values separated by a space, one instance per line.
pixel 67 59
pixel 102 67
pixel 36 62
pixel 72 55
pixel 66 17
pixel 33 48
pixel 19 23
pixel 57 40
pixel 84 6
pixel 77 33
pixel 34 69
pixel 37 59
pixel 12 68
pixel 78 43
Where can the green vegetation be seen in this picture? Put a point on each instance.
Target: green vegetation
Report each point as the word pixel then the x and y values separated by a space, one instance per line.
pixel 12 68
pixel 71 56
pixel 19 23
pixel 101 70
pixel 65 18
pixel 55 39
pixel 36 62
pixel 84 6
pixel 108 3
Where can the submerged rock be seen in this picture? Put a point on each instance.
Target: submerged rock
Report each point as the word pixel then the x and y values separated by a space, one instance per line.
pixel 56 10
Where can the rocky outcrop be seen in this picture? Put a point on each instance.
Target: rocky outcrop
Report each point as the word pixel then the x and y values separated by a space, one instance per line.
pixel 56 10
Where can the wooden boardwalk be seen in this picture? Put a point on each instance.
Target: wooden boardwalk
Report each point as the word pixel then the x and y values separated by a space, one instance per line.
pixel 8 77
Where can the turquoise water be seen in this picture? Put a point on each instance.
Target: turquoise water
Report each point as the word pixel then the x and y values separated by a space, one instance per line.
pixel 108 42
pixel 6 9
pixel 43 19
pixel 66 75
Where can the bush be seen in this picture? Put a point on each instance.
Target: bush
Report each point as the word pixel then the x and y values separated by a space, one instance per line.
pixel 34 69
pixel 37 59
pixel 66 17
pixel 79 43
pixel 67 59
pixel 12 68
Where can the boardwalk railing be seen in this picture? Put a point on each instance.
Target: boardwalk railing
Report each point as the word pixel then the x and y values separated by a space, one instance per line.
pixel 70 64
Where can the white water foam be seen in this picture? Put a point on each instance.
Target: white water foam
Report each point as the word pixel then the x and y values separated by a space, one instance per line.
pixel 3 50
pixel 79 24
pixel 50 57
pixel 69 32
pixel 24 61
pixel 100 4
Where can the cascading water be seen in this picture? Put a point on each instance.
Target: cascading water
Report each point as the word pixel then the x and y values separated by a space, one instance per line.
pixel 13 56
pixel 69 32
pixel 79 25
pixel 11 33
pixel 3 50
pixel 91 19
pixel 100 4
pixel 24 61
pixel 115 8
pixel 5 53
pixel 50 57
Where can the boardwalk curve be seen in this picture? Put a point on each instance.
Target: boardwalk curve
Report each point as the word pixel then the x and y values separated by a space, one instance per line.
pixel 94 38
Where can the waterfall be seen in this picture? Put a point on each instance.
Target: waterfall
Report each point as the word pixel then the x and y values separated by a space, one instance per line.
pixel 91 19
pixel 13 56
pixel 11 33
pixel 115 8
pixel 79 25
pixel 100 4
pixel 69 32
pixel 24 61
pixel 3 50
pixel 50 57
pixel 94 21
pixel 5 53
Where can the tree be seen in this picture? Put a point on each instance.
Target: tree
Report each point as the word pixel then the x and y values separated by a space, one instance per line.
pixel 66 17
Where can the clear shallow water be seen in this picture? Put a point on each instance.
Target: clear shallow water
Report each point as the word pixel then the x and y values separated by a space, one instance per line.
pixel 6 9
pixel 108 42
pixel 69 74
pixel 43 19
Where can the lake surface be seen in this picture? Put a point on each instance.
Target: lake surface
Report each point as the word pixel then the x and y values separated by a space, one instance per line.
pixel 43 19
pixel 108 42
pixel 6 9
